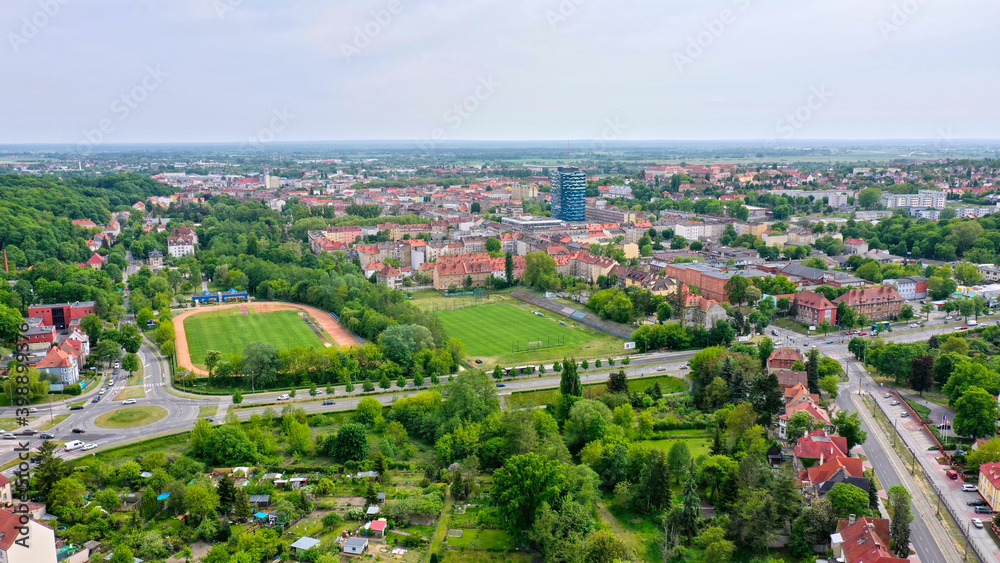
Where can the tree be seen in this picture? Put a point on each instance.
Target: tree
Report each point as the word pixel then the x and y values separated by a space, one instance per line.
pixel 368 410
pixel 830 384
pixel 664 311
pixel 869 198
pixel 688 515
pixel 229 444
pixel 242 509
pixel 678 459
pixel 800 424
pixel 986 453
pixel 107 351
pixel 497 372
pixel 848 499
pixel 849 427
pixel 92 325
pixel 260 361
pixel 493 245
pixel 922 372
pixel 401 342
pixel 522 486
pixel 926 309
pixel 736 289
pixel 617 382
pixel 212 359
pixel 508 266
pixel 899 529
pixel 350 443
pixel 384 381
pixel 812 370
pixel 130 363
pixel 66 497
pixel 766 395
pixel 569 382
pixel 49 469
pixel 764 351
pixel 906 313
pixel 539 270
pixel 976 413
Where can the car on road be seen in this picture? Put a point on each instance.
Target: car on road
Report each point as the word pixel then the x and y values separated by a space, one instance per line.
pixel 947 318
pixel 829 341
pixel 9 437
pixel 114 371
pixel 74 445
pixel 284 397
pixel 89 446
pixel 78 431
pixel 329 402
pixel 977 522
pixel 46 435
pixel 102 391
pixel 977 502
pixel 983 510
pixel 774 332
pixel 96 399
pixel 128 402
pixel 964 328
pixel 686 365
pixel 894 403
pixel 76 408
pixel 969 488
pixel 887 395
pixel 29 432
pixel 851 332
pixel 33 409
pixel 904 414
pixel 209 419
pixel 914 325
pixel 862 334
pixel 661 368
pixel 501 384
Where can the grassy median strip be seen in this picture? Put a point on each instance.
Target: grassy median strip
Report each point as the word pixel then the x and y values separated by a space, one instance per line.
pixel 130 417
pixel 130 393
pixel 54 422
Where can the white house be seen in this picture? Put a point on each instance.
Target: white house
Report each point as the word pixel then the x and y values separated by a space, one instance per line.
pixel 356 546
pixel 38 546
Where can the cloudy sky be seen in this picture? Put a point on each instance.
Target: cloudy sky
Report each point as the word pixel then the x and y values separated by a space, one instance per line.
pixel 121 71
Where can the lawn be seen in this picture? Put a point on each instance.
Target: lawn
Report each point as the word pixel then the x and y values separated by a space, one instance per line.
pixel 54 422
pixel 131 393
pixel 698 441
pixel 229 331
pixel 668 384
pixel 10 424
pixel 490 332
pixel 483 540
pixel 130 417
pixel 207 410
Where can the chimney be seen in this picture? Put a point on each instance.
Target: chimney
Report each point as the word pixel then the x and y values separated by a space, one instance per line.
pixel 852 519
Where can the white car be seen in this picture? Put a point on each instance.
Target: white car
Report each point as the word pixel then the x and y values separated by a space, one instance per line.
pixel 89 446
pixel 914 325
pixel 969 488
pixel 661 368
pixel 284 397
pixel 948 318
pixel 74 445
pixel 102 391
pixel 977 522
pixel 128 402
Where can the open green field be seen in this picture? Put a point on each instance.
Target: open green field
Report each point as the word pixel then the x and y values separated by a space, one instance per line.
pixel 489 332
pixel 668 385
pixel 698 442
pixel 229 331
pixel 130 417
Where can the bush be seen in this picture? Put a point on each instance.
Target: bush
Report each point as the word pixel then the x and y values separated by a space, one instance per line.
pixel 74 389
pixel 356 513
pixel 332 519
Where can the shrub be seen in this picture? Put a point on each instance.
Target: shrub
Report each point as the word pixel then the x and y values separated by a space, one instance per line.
pixel 332 519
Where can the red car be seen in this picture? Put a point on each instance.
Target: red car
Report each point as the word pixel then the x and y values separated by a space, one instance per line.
pixel 964 328
pixel 850 332
pixel 862 334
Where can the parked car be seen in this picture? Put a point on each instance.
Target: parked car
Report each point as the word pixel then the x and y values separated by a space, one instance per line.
pixel 964 328
pixel 894 403
pixel 46 435
pixel 78 431
pixel 904 414
pixel 479 361
pixel 329 403
pixel 983 510
pixel 862 334
pixel 977 502
pixel 947 318
pixel 952 474
pixel 102 391
pixel 851 332
pixel 89 446
pixel 829 341
pixel 887 395
pixel 977 522
pixel 209 419
pixel 284 397
pixel 969 488
pixel 944 426
pixel 914 325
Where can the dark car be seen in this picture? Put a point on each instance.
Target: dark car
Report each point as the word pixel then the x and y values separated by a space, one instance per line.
pixel 329 403
pixel 210 419
pixel 96 399
pixel 76 408
pixel 46 435
pixel 479 361
pixel 78 430
pixel 501 384
pixel 983 510
pixel 114 372
pixel 977 502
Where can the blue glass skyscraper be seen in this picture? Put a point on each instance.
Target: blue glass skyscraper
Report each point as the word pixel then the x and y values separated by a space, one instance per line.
pixel 569 194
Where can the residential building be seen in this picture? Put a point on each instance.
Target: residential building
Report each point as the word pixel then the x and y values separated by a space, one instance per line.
pixel 913 287
pixel 856 246
pixel 62 315
pixel 156 260
pixel 390 276
pixel 784 358
pixel 62 363
pixel 814 309
pixel 989 484
pixel 6 496
pixel 815 477
pixel 990 273
pixel 819 445
pixel 599 212
pixel 923 198
pixel 569 188
pixel 863 540
pixel 700 311
pixel 183 241
pixel 875 303
pixel 96 261
pixel 22 543
pixel 520 191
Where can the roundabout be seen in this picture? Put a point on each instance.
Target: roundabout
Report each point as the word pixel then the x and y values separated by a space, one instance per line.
pixel 131 417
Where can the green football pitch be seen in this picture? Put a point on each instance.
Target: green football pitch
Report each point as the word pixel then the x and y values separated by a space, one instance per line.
pixel 491 330
pixel 229 331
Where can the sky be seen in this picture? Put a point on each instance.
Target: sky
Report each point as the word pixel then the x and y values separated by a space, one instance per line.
pixel 87 73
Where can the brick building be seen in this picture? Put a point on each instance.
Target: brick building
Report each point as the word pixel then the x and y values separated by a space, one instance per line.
pixel 876 303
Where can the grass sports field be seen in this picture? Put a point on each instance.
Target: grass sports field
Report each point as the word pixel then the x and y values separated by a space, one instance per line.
pixel 229 331
pixel 488 332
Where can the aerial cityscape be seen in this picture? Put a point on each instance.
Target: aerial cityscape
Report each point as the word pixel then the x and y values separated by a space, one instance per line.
pixel 500 282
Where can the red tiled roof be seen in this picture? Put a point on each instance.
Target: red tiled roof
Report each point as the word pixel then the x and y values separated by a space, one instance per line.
pixel 819 444
pixel 813 300
pixel 853 467
pixel 856 297
pixel 786 354
pixel 867 541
